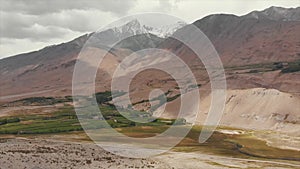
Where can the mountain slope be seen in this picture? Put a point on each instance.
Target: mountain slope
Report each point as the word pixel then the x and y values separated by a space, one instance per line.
pixel 248 46
pixel 49 70
pixel 249 40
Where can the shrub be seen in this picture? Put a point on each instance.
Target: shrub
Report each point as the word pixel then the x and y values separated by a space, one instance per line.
pixel 9 120
pixel 291 68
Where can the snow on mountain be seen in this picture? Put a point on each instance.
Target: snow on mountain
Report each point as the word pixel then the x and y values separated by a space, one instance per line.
pixel 165 30
pixel 135 27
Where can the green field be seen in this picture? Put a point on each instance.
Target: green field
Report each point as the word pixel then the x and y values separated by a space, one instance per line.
pixel 65 120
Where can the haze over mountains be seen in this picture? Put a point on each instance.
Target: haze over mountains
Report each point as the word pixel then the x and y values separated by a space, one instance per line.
pixel 259 51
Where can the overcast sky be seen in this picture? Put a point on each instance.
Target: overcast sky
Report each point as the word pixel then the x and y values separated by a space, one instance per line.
pixel 33 24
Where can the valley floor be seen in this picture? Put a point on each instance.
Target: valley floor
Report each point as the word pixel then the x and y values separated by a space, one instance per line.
pixel 44 152
pixel 50 136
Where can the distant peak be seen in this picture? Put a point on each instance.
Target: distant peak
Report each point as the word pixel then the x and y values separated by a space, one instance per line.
pixel 135 27
pixel 279 10
pixel 276 13
pixel 133 22
pixel 275 8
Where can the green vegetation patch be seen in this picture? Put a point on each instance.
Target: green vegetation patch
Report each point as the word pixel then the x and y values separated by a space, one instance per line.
pixel 292 67
pixel 65 120
pixel 284 67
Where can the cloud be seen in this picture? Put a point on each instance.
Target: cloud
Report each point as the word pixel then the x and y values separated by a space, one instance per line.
pixel 20 26
pixel 40 21
pixel 29 30
pixel 40 7
pixel 78 20
pixel 167 5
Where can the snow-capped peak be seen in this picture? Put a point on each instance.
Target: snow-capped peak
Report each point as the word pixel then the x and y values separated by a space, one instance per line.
pixel 135 27
pixel 165 30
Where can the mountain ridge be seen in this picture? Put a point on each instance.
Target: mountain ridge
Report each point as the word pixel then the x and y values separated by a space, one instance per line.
pixel 276 13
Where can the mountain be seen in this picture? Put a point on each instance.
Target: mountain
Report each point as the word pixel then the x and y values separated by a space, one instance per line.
pixel 277 14
pixel 260 53
pixel 131 35
pixel 246 40
pixel 24 73
pixel 165 30
pixel 138 34
pixel 240 41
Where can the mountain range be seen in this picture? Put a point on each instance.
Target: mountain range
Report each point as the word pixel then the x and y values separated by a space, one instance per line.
pixel 260 52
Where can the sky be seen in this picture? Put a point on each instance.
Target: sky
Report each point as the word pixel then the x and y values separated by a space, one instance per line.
pixel 28 25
